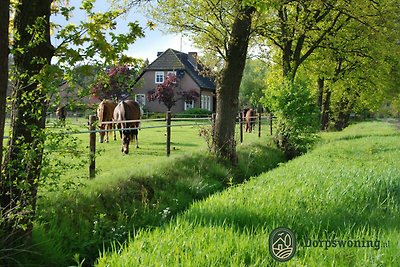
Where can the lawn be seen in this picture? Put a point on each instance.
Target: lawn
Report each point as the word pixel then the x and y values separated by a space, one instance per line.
pixel 152 145
pixel 347 189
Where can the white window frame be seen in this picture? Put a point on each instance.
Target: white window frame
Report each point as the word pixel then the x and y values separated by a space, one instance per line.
pixel 206 102
pixel 190 106
pixel 142 101
pixel 159 77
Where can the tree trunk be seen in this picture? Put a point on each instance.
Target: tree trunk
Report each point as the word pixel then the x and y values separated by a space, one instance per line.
pixel 324 103
pixel 287 43
pixel 224 143
pixel 325 113
pixel 4 18
pixel 346 106
pixel 22 164
pixel 321 85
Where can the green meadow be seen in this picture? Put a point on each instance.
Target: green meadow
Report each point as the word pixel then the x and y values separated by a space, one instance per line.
pixel 77 217
pixel 346 190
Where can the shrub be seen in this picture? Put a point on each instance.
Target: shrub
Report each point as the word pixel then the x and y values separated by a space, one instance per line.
pixel 196 112
pixel 297 117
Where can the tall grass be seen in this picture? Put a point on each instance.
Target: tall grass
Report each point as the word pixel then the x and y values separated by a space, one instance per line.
pixel 348 188
pixel 77 217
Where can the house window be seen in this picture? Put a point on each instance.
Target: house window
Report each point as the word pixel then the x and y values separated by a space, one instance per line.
pixel 189 104
pixel 206 102
pixel 171 73
pixel 141 99
pixel 159 77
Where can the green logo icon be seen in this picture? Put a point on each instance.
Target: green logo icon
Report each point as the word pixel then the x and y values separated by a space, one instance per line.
pixel 282 244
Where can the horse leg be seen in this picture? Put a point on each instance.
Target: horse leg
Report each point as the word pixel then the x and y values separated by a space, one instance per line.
pixel 135 136
pixel 120 131
pixel 106 134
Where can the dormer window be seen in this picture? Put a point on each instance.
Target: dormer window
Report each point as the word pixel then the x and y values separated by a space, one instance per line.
pixel 159 77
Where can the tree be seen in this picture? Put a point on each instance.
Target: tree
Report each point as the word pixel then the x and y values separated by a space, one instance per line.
pixel 21 169
pixel 117 83
pixel 253 83
pixel 165 92
pixel 297 30
pixel 4 19
pixel 223 28
pixel 347 82
pixel 35 76
pixel 229 84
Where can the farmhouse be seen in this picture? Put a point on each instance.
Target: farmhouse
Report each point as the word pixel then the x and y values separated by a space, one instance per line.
pixel 188 70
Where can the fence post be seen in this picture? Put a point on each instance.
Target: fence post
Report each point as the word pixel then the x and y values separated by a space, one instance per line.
pixel 270 123
pixel 92 146
pixel 168 117
pixel 241 126
pixel 259 124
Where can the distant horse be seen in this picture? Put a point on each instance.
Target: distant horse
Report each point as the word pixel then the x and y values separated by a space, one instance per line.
pixel 61 114
pixel 125 111
pixel 105 113
pixel 250 120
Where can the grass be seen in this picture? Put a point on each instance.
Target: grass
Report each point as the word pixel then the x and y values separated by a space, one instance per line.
pixel 77 217
pixel 347 188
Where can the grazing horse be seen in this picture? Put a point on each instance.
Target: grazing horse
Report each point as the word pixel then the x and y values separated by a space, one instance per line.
pixel 250 120
pixel 61 114
pixel 105 113
pixel 125 111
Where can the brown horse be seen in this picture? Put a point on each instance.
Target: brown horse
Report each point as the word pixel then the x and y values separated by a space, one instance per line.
pixel 61 114
pixel 126 111
pixel 250 120
pixel 105 114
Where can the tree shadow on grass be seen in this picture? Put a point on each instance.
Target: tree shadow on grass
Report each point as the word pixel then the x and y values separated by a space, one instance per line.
pixel 85 223
pixel 379 213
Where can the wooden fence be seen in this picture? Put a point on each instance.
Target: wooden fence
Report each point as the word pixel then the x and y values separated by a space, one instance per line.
pixel 169 119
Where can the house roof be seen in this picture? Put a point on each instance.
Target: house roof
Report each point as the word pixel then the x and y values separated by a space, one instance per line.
pixel 176 60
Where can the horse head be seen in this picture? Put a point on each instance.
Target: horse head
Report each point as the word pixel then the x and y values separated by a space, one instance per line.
pixel 126 139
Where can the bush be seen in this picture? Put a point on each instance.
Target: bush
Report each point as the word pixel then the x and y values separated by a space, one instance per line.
pixel 297 117
pixel 154 115
pixel 196 112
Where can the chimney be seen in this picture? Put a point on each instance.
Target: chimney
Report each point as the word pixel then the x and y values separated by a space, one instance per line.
pixel 159 53
pixel 192 58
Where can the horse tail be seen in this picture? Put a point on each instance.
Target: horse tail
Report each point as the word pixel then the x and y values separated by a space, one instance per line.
pixel 100 112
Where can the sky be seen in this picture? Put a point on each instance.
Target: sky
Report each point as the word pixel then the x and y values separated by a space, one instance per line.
pixel 147 47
